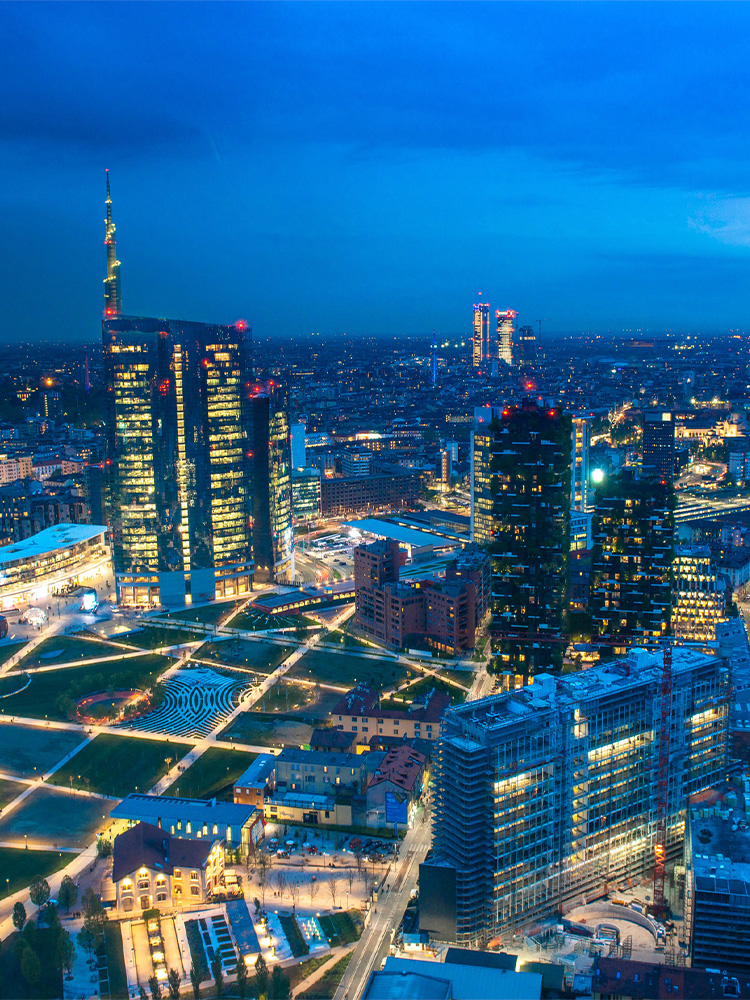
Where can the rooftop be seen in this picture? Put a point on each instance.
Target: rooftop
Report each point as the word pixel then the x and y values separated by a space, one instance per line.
pixel 148 846
pixel 166 807
pixel 414 537
pixel 59 536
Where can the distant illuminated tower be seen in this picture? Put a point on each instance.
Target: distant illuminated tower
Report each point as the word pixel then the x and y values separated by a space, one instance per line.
pixel 481 352
pixel 505 331
pixel 433 360
pixel 112 297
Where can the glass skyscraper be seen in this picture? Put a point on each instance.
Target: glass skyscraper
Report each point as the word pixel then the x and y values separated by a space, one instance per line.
pixel 178 472
pixel 272 484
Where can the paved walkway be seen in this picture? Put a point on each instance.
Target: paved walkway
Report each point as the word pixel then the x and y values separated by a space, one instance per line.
pixel 336 955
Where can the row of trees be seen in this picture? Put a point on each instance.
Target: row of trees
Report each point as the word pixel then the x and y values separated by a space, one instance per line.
pixel 292 883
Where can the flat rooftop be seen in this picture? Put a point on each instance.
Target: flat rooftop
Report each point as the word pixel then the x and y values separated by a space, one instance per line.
pixel 415 537
pixel 59 536
pixel 153 808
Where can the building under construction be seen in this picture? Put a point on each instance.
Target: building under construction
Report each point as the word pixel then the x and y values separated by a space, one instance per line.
pixel 550 793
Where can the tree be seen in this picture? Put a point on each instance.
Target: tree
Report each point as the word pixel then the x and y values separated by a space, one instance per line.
pixel 333 888
pixel 280 986
pixel 94 914
pixel 66 951
pixel 19 916
pixel 241 978
pixel 173 980
pixel 49 915
pixel 39 893
pixel 280 881
pixel 68 893
pixel 260 979
pixel 31 969
pixel 313 889
pixel 265 864
pixel 142 994
pixel 196 978
pixel 86 939
pixel 350 877
pixel 218 975
pixel 103 847
pixel 153 985
pixel 294 890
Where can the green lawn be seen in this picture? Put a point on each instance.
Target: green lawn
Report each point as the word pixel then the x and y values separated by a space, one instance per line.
pixel 112 946
pixel 293 935
pixel 119 765
pixel 156 636
pixel 463 677
pixel 10 790
pixel 341 927
pixel 65 649
pixel 250 654
pixel 330 667
pixel 8 649
pixel 304 969
pixel 52 819
pixel 209 614
pixel 285 696
pixel 414 691
pixel 325 988
pixel 27 751
pixel 54 693
pixel 213 774
pixel 21 867
pixel 270 730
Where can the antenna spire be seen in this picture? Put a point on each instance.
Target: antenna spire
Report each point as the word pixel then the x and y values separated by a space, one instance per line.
pixel 112 297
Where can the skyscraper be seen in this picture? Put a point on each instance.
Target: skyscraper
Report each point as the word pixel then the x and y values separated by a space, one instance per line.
pixel 549 793
pixel 658 443
pixel 481 346
pixel 433 360
pixel 526 340
pixel 530 539
pixel 178 470
pixel 112 297
pixel 273 540
pixel 633 533
pixel 505 334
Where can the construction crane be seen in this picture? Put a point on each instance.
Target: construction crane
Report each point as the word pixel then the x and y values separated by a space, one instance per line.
pixel 659 905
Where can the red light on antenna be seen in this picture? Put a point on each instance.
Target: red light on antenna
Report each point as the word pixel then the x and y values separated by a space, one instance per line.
pixel 241 324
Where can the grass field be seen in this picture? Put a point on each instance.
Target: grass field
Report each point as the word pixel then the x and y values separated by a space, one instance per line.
pixel 112 947
pixel 55 819
pixel 155 637
pixel 118 765
pixel 265 730
pixel 340 928
pixel 53 693
pixel 8 649
pixel 261 656
pixel 65 649
pixel 415 691
pixel 10 790
pixel 293 934
pixel 304 969
pixel 26 751
pixel 343 669
pixel 21 867
pixel 209 614
pixel 325 988
pixel 285 696
pixel 463 677
pixel 213 774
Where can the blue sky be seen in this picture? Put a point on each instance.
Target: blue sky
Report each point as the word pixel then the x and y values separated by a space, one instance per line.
pixel 371 167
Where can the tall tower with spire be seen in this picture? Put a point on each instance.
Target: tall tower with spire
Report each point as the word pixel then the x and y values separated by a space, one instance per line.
pixel 434 360
pixel 112 297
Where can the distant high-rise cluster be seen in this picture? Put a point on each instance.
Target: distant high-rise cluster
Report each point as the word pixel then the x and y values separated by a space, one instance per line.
pixel 504 343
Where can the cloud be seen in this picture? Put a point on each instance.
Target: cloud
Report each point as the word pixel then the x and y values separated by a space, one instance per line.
pixel 724 219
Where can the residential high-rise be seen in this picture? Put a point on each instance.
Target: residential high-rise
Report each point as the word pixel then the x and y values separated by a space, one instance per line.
pixel 505 334
pixel 580 516
pixel 698 597
pixel 481 344
pixel 658 443
pixel 112 297
pixel 299 454
pixel 529 465
pixel 549 793
pixel 178 483
pixel 633 534
pixel 481 474
pixel 273 538
pixel 305 495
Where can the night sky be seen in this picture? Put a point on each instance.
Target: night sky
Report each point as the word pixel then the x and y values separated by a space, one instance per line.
pixel 370 168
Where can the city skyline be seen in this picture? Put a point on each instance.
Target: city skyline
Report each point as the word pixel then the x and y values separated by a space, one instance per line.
pixel 364 169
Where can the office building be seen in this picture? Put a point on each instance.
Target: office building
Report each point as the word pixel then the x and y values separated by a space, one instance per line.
pixel 178 471
pixel 342 495
pixel 482 496
pixel 717 883
pixel 305 495
pixel 112 296
pixel 658 443
pixel 505 341
pixel 633 533
pixel 529 452
pixel 297 436
pixel 579 465
pixel 698 596
pixel 273 538
pixel 356 463
pixel 549 793
pixel 481 344
pixel 526 341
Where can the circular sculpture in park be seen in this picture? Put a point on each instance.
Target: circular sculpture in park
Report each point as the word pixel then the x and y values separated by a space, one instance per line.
pixel 112 706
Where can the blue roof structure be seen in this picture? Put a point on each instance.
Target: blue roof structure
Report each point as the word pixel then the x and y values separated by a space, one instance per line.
pixel 156 808
pixel 242 925
pixel 398 533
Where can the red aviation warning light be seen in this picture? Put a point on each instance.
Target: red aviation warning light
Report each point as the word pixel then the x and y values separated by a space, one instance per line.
pixel 241 325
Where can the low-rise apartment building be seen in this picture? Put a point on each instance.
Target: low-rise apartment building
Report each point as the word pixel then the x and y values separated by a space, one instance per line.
pixel 360 712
